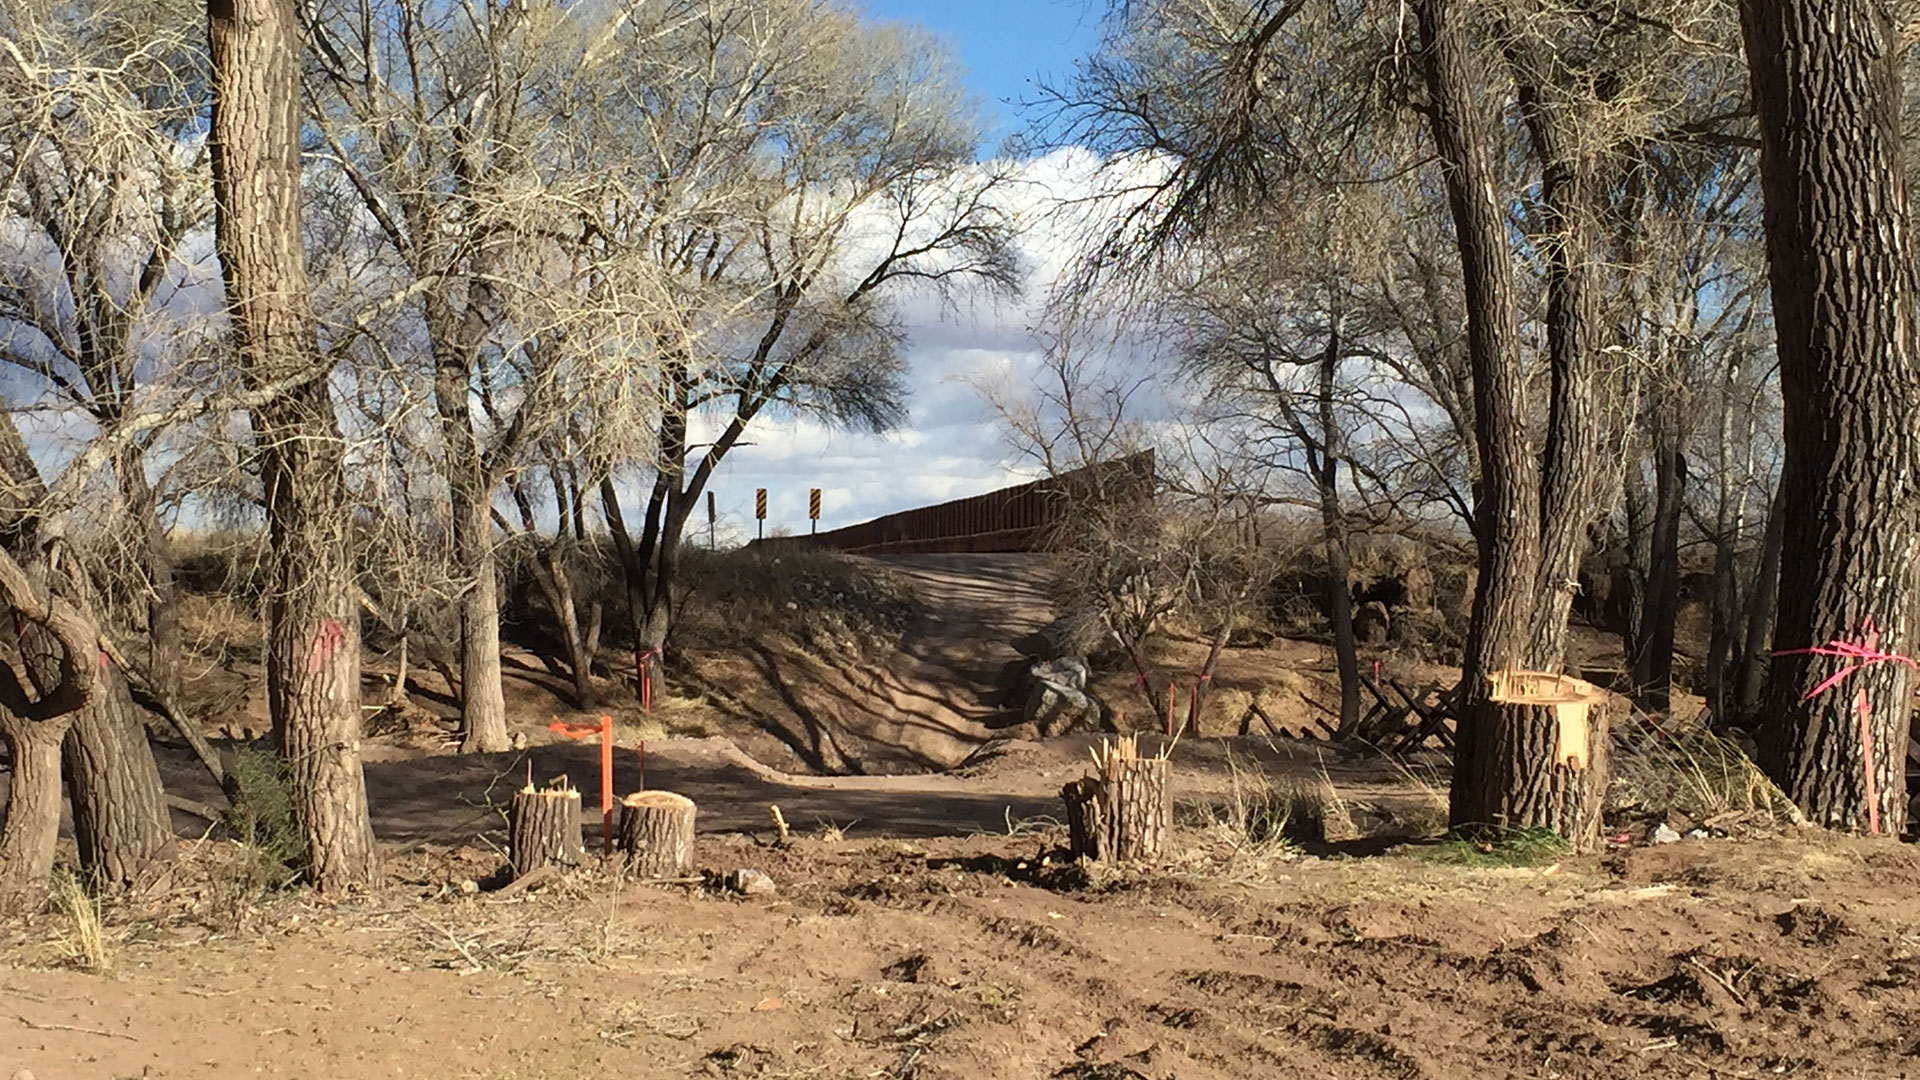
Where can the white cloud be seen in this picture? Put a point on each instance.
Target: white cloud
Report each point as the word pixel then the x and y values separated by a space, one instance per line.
pixel 950 448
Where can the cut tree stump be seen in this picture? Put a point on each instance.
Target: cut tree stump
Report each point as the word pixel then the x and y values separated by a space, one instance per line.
pixel 544 829
pixel 1124 812
pixel 1536 743
pixel 656 832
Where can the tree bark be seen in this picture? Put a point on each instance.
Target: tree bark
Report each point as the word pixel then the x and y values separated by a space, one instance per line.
pixel 1730 520
pixel 120 818
pixel 33 725
pixel 1577 480
pixel 544 830
pixel 1826 90
pixel 656 832
pixel 1333 524
pixel 1507 493
pixel 1653 663
pixel 32 829
pixel 313 635
pixel 1550 742
pixel 1760 613
pixel 483 705
pixel 1123 814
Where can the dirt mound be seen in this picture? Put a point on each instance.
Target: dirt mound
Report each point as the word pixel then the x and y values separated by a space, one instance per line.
pixel 949 686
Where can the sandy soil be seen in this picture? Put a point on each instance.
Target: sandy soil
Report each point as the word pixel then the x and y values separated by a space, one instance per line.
pixel 943 693
pixel 925 929
pixel 964 957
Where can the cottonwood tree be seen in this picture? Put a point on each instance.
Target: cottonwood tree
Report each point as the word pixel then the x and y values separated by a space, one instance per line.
pixel 782 176
pixel 1272 331
pixel 1524 106
pixel 313 625
pixel 1827 92
pixel 447 124
pixel 105 184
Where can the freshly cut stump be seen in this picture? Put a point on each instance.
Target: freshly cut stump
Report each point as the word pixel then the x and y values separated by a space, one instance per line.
pixel 1534 757
pixel 656 832
pixel 544 829
pixel 1124 812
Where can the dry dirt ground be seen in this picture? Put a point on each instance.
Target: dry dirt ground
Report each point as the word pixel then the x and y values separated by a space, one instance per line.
pixel 966 957
pixel 925 928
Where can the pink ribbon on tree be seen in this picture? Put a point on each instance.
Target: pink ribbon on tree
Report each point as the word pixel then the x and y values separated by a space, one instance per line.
pixel 1859 655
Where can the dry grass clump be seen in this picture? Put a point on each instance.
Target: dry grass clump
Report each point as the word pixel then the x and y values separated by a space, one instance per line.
pixel 1262 818
pixel 1660 768
pixel 84 937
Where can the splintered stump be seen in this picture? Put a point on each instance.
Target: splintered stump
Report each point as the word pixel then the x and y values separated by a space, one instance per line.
pixel 1533 755
pixel 1124 811
pixel 544 829
pixel 656 832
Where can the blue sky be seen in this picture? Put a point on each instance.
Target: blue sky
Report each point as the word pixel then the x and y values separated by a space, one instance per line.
pixel 1004 45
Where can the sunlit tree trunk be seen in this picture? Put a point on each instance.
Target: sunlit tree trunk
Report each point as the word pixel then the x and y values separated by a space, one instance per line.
pixel 1826 90
pixel 313 625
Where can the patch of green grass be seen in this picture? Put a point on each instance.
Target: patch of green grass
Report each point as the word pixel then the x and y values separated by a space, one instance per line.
pixel 262 819
pixel 1483 848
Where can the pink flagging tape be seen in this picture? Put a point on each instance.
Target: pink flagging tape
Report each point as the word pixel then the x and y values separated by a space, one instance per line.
pixel 1861 654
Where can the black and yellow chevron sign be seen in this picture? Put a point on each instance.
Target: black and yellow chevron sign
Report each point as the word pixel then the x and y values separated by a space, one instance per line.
pixel 813 504
pixel 760 503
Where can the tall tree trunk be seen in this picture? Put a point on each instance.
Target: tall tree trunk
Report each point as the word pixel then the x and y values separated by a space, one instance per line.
pixel 1577 482
pixel 1761 606
pixel 483 702
pixel 1653 664
pixel 32 829
pixel 1507 493
pixel 1334 528
pixel 483 705
pixel 1730 521
pixel 313 625
pixel 120 817
pixel 1826 89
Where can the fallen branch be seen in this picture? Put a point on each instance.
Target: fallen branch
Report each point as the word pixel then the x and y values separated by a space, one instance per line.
pixel 70 1027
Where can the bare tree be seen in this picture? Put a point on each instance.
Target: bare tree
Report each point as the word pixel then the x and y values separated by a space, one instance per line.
pixel 776 209
pixel 104 184
pixel 434 117
pixel 313 632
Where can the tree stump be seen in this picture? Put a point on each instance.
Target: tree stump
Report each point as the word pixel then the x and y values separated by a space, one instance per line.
pixel 656 832
pixel 1537 755
pixel 544 829
pixel 1124 812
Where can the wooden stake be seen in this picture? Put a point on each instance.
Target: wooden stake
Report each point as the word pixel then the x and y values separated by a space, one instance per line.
pixel 606 785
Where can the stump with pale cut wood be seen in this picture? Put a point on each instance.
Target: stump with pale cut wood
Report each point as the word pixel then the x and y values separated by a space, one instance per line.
pixel 1532 754
pixel 656 832
pixel 544 829
pixel 1124 811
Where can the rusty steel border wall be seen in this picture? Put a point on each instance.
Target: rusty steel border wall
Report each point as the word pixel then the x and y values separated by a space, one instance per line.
pixel 1017 518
